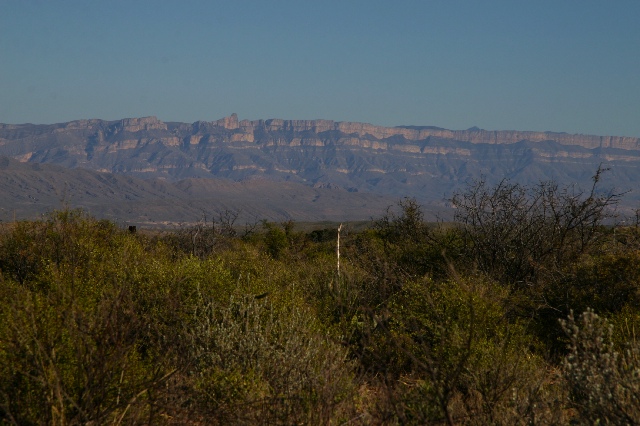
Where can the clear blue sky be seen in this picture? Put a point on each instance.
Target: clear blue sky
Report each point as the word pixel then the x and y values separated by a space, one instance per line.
pixel 557 65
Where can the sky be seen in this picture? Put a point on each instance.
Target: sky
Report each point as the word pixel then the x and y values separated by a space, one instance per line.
pixel 560 65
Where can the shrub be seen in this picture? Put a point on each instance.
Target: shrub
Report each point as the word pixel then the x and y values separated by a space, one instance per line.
pixel 71 331
pixel 608 283
pixel 256 363
pixel 519 234
pixel 604 384
pixel 413 247
pixel 452 356
pixel 275 239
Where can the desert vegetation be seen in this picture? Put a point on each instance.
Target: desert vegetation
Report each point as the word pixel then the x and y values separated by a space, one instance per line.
pixel 524 311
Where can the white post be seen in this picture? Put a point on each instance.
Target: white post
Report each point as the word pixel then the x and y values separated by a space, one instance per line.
pixel 338 249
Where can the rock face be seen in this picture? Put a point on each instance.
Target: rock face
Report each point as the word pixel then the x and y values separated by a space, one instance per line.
pixel 425 162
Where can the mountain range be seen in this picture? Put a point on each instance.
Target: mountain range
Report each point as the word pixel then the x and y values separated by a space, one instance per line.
pixel 146 171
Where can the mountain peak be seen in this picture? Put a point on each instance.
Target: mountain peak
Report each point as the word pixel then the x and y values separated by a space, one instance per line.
pixel 229 123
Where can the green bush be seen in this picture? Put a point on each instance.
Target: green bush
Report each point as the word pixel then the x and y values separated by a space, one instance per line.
pixel 71 329
pixel 255 362
pixel 607 282
pixel 457 357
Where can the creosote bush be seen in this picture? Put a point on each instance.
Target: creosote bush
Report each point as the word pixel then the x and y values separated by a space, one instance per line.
pixel 457 359
pixel 280 367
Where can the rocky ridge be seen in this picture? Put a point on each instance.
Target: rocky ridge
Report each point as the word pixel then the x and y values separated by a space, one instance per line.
pixel 421 161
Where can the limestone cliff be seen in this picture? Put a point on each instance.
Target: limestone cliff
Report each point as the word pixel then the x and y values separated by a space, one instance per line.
pixel 427 162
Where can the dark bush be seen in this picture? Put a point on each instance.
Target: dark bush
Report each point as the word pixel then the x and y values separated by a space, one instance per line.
pixel 520 235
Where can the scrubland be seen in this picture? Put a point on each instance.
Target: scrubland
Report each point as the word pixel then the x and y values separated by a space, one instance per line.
pixel 523 312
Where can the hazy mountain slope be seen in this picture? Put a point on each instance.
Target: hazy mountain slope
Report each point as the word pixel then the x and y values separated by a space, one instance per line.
pixel 29 190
